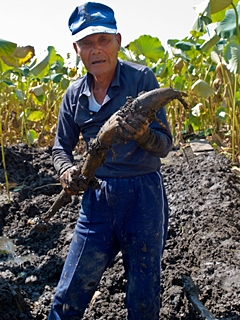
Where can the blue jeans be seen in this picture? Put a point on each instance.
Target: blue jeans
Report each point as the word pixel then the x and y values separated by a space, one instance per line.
pixel 127 214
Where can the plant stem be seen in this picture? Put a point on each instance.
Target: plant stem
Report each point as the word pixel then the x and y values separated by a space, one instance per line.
pixel 3 160
pixel 234 118
pixel 237 26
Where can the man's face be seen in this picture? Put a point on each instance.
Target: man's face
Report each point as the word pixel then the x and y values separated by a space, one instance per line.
pixel 99 53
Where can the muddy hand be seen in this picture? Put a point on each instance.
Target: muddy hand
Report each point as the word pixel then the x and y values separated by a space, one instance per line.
pixel 132 127
pixel 70 180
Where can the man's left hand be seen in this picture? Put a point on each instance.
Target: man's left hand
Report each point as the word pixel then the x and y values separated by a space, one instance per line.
pixel 133 127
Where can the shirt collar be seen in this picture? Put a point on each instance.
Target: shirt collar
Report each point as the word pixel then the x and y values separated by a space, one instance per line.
pixel 115 81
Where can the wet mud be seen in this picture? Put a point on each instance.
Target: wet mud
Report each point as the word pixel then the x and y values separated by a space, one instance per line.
pixel 203 243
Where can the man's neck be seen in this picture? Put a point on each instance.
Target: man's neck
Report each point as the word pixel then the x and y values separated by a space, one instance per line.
pixel 100 87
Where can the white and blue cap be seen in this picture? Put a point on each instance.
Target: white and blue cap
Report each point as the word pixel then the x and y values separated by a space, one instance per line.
pixel 90 18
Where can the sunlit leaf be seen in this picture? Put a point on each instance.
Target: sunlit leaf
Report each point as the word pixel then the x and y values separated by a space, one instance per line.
pixel 196 110
pixel 227 27
pixel 160 69
pixel 6 47
pixel 177 52
pixel 208 44
pixel 179 82
pixel 43 67
pixel 148 46
pixel 222 114
pixel 38 93
pixel 125 54
pixel 193 121
pixel 199 26
pixel 58 66
pixel 215 57
pixel 35 116
pixel 56 78
pixel 220 45
pixel 204 12
pixel 211 10
pixel 202 89
pixel 19 56
pixel 220 5
pixel 217 17
pixel 234 61
pixel 37 90
pixel 24 54
pixel 238 96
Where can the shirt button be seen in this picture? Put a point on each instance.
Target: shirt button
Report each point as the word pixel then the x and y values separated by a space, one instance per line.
pixel 91 113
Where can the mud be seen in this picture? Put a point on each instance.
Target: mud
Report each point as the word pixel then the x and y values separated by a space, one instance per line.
pixel 203 240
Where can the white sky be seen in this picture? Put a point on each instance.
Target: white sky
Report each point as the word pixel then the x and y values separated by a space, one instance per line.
pixel 43 23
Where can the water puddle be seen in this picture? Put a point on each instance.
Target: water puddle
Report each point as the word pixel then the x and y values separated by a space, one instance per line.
pixel 8 252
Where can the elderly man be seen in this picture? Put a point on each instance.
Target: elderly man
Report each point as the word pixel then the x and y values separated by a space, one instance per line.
pixel 129 212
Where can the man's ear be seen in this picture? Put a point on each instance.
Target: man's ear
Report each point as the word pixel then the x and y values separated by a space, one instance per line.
pixel 77 49
pixel 119 40
pixel 75 46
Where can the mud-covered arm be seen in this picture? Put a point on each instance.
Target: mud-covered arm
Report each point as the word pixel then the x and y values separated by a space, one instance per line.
pixel 61 161
pixel 154 138
pixel 155 142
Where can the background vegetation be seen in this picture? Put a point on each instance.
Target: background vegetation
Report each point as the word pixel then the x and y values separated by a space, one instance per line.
pixel 208 70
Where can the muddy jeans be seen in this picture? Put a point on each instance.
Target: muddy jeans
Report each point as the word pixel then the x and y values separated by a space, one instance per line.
pixel 127 214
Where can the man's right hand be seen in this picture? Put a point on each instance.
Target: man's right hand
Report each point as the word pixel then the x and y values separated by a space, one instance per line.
pixel 70 180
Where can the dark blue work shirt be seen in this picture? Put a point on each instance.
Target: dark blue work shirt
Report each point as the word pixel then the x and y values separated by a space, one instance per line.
pixel 75 117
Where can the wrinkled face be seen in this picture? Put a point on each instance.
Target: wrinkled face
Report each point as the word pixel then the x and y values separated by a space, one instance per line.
pixel 99 53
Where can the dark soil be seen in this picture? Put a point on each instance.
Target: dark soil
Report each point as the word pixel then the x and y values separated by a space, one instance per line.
pixel 203 241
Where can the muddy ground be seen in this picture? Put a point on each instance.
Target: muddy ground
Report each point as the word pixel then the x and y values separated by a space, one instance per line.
pixel 203 241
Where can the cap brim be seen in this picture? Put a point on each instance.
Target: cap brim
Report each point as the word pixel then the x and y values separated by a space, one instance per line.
pixel 92 30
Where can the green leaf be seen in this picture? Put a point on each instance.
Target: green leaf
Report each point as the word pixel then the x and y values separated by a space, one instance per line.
pixel 221 114
pixel 198 26
pixel 160 69
pixel 56 78
pixel 149 47
pixel 31 136
pixel 185 46
pixel 238 96
pixel 207 45
pixel 19 94
pixel 234 61
pixel 65 83
pixel 227 27
pixel 43 67
pixel 125 54
pixel 208 11
pixel 179 82
pixel 37 90
pixel 15 56
pixel 9 83
pixel 180 54
pixel 193 121
pixel 202 89
pixel 7 47
pixel 196 110
pixel 219 5
pixel 35 116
